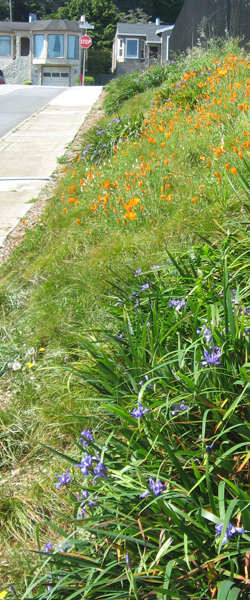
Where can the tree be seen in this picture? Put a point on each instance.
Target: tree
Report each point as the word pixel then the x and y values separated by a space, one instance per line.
pixel 136 15
pixel 166 10
pixel 99 61
pixel 71 10
pixel 105 16
pixel 4 10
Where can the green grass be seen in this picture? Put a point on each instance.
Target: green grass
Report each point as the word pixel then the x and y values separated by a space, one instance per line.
pixel 54 285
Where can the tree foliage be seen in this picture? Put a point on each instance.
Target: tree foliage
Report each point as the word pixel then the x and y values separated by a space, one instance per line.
pixel 136 15
pixel 4 10
pixel 166 10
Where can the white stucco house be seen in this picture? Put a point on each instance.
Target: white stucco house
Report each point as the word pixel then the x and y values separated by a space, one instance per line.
pixel 43 52
pixel 137 46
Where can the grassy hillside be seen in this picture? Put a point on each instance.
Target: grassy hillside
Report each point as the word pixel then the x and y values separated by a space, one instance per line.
pixel 165 176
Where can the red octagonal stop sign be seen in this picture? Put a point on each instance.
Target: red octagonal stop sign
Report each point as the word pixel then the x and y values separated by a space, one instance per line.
pixel 85 41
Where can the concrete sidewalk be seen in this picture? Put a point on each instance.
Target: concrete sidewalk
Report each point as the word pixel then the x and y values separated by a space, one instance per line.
pixel 28 154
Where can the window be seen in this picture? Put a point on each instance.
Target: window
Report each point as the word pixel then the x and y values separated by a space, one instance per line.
pixel 132 48
pixel 4 45
pixel 153 52
pixel 143 49
pixel 39 46
pixel 64 75
pixel 73 45
pixel 121 48
pixel 55 46
pixel 55 74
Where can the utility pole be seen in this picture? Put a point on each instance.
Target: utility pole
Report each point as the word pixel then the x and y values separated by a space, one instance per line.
pixel 10 2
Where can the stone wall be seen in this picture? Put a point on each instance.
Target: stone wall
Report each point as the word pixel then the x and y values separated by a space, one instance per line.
pixel 18 71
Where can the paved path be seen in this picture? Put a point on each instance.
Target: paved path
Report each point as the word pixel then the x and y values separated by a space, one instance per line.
pixel 28 155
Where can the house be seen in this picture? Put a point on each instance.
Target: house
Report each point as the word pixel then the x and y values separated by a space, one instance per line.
pixel 137 46
pixel 201 20
pixel 43 52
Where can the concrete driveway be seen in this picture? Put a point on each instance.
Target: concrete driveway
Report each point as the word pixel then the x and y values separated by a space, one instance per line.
pixel 28 154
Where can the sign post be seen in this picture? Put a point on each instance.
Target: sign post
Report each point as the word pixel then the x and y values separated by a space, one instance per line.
pixel 85 42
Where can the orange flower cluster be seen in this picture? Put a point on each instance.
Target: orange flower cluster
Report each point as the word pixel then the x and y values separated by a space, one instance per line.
pixel 129 192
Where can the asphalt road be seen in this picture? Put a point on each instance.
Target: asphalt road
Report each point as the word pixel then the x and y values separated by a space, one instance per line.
pixel 18 102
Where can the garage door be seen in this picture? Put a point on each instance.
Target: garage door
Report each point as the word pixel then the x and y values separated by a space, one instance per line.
pixel 55 76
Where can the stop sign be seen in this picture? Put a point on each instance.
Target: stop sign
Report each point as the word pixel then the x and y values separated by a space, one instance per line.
pixel 85 41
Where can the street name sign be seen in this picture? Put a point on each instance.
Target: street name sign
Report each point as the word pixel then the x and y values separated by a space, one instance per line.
pixel 86 25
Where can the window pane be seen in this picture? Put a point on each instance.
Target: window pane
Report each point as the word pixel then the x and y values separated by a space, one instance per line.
pixel 4 45
pixel 73 45
pixel 38 51
pixel 132 48
pixel 55 46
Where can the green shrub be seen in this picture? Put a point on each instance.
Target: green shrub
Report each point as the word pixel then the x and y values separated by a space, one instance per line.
pixel 89 80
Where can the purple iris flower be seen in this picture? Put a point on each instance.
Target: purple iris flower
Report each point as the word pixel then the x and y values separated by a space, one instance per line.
pixel 139 412
pixel 146 286
pixel 178 408
pixel 231 530
pixel 177 304
pixel 63 479
pixel 49 547
pixel 85 464
pixel 138 272
pixel 127 559
pixel 149 384
pixel 209 449
pixel 156 488
pixel 148 324
pixel 212 357
pixel 100 471
pixel 206 332
pixel 84 496
pixel 155 267
pixel 88 436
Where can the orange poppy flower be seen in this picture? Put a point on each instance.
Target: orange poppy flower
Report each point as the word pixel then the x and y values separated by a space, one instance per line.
pixel 131 216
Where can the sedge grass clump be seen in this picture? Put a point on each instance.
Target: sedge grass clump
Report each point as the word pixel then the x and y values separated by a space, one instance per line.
pixel 159 494
pixel 101 141
pixel 125 87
